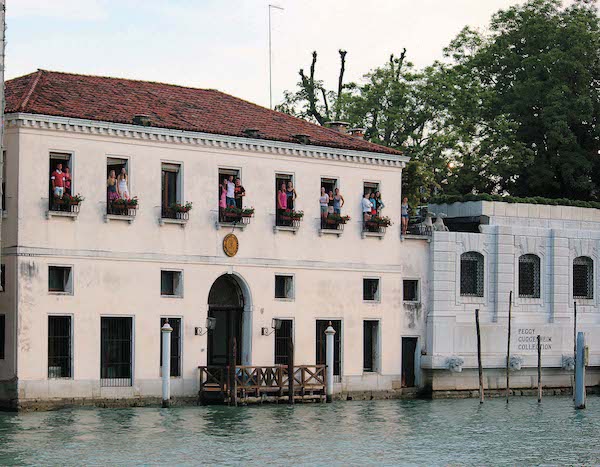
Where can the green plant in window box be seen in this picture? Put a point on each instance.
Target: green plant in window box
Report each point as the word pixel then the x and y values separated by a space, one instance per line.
pixel 181 207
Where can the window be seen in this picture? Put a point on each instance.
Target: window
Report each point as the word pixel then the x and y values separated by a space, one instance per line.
pixel 4 181
pixel 2 277
pixel 281 219
pixel 321 354
pixel 59 347
pixel 60 181
pixel 226 177
pixel 2 335
pixel 118 184
pixel 583 277
pixel 529 276
pixel 175 323
pixel 371 346
pixel 371 290
pixel 283 338
pixel 60 280
pixel 330 184
pixel 410 290
pixel 116 352
pixel 471 274
pixel 170 188
pixel 284 287
pixel 171 284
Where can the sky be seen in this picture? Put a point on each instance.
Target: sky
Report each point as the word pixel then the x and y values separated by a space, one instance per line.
pixel 223 44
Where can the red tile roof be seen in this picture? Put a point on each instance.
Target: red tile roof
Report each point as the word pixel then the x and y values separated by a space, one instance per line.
pixel 168 106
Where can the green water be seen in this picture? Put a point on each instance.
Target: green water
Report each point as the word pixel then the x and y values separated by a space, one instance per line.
pixel 440 432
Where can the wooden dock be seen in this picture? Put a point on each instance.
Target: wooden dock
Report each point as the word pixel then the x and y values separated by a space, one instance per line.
pixel 255 384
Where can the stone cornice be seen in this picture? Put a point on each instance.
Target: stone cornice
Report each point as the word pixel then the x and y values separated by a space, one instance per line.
pixel 163 135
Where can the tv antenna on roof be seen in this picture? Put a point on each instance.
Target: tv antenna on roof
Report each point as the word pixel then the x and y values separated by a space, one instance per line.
pixel 270 57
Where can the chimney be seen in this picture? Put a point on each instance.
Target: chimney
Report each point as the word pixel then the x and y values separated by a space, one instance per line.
pixel 302 139
pixel 357 132
pixel 251 132
pixel 143 120
pixel 342 127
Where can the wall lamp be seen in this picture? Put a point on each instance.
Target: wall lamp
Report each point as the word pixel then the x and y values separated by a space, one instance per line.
pixel 211 324
pixel 275 326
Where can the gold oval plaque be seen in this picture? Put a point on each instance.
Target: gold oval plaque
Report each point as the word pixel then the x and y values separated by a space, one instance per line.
pixel 230 245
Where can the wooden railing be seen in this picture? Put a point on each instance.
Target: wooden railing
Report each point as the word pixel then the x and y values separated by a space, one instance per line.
pixel 258 381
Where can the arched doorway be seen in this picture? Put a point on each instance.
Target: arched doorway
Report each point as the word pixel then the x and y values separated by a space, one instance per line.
pixel 228 304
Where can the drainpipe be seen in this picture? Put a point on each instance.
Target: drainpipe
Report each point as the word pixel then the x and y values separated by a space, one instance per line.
pixel 329 333
pixel 166 363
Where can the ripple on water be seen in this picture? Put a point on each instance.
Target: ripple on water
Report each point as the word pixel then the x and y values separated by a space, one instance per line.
pixel 439 432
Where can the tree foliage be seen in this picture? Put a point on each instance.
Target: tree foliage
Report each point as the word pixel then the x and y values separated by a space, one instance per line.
pixel 510 111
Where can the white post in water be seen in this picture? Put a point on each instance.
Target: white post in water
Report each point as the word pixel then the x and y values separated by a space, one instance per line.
pixel 329 333
pixel 166 363
pixel 580 372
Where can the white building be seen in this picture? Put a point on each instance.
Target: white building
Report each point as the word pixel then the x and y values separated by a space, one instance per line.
pixel 87 287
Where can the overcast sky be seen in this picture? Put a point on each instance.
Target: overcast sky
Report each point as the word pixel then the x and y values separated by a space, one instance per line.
pixel 223 44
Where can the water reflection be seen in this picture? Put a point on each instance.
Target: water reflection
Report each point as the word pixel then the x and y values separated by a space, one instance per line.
pixel 437 432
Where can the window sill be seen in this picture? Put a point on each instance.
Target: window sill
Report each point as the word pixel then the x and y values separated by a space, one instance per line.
pixel 61 378
pixel 171 296
pixel 330 232
pixel 4 214
pixel 282 228
pixel 60 293
pixel 412 302
pixel 284 299
pixel 415 237
pixel 372 302
pixel 118 217
pixel 230 225
pixel 379 235
pixel 50 214
pixel 166 220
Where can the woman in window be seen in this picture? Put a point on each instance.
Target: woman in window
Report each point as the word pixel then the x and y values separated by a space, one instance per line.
pixel 323 202
pixel 122 189
pixel 330 203
pixel 380 204
pixel 338 202
pixel 67 181
pixel 291 195
pixel 282 198
pixel 111 187
pixel 373 204
pixel 404 216
pixel 222 198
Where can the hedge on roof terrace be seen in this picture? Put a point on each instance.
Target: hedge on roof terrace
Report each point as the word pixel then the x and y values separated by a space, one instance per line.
pixel 449 199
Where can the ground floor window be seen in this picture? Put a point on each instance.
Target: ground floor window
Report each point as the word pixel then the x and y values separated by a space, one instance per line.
pixel 409 355
pixel 116 351
pixel 283 339
pixel 322 324
pixel 2 335
pixel 59 347
pixel 371 346
pixel 175 323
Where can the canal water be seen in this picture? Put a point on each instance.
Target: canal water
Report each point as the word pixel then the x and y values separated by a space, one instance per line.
pixel 439 432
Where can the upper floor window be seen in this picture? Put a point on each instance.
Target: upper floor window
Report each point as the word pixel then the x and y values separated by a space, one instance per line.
pixel 285 200
pixel 583 277
pixel 170 189
pixel 410 290
pixel 471 274
pixel 4 181
pixel 118 188
pixel 231 195
pixel 60 279
pixel 529 276
pixel 61 180
pixel 171 283
pixel 331 202
pixel 284 287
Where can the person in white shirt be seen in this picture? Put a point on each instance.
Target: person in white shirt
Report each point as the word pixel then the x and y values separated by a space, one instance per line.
pixel 367 206
pixel 230 196
pixel 324 204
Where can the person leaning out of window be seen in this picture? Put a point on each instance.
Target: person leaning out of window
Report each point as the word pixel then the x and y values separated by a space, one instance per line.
pixel 239 193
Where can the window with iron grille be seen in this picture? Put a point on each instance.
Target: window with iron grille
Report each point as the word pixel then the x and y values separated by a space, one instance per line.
pixel 175 323
pixel 410 290
pixel 583 277
pixel 371 290
pixel 2 335
pixel 116 351
pixel 283 337
pixel 59 347
pixel 529 276
pixel 471 274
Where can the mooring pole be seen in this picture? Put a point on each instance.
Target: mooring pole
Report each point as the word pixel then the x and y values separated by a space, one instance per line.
pixel 539 349
pixel 508 348
pixel 574 345
pixel 479 356
pixel 166 331
pixel 291 372
pixel 329 333
pixel 233 372
pixel 580 372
